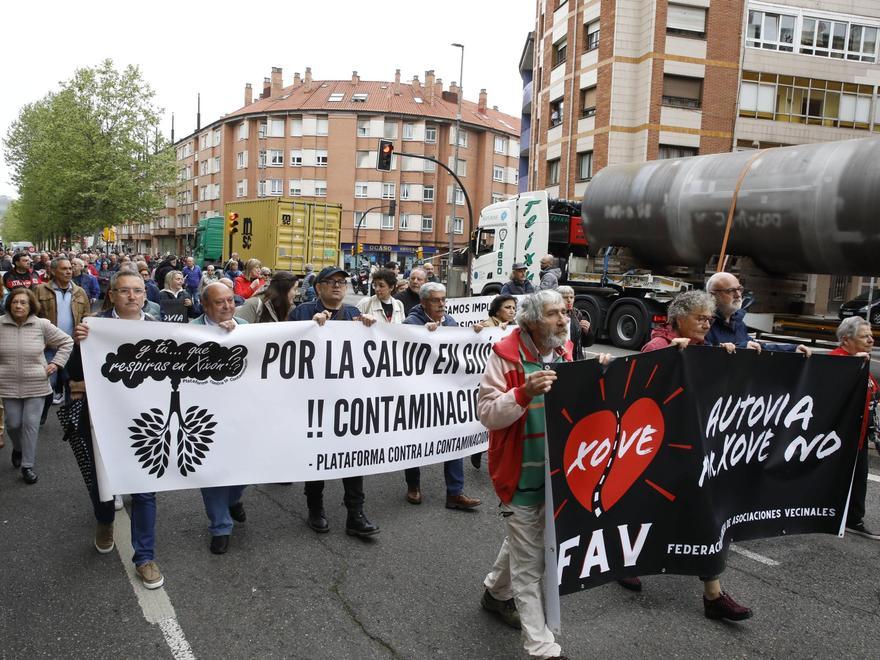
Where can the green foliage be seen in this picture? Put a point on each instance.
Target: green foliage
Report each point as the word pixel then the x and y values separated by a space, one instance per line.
pixel 89 155
pixel 12 227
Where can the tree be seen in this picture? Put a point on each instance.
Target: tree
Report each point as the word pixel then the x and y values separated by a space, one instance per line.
pixel 12 229
pixel 90 155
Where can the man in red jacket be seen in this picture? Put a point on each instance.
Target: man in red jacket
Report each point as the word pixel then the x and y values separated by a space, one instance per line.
pixel 511 406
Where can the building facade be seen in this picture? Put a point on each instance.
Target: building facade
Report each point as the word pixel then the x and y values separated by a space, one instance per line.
pixel 318 140
pixel 617 81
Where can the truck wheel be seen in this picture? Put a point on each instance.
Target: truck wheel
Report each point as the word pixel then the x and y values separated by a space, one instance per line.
pixel 591 312
pixel 627 327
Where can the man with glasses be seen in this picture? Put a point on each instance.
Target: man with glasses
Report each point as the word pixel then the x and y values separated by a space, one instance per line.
pixel 330 286
pixel 127 293
pixel 431 313
pixel 729 325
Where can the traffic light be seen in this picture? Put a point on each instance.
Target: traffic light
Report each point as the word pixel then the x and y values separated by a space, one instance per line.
pixel 392 207
pixel 386 151
pixel 420 253
pixel 360 248
pixel 233 223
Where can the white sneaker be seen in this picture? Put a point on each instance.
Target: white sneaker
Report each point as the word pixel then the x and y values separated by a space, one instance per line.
pixel 58 399
pixel 117 502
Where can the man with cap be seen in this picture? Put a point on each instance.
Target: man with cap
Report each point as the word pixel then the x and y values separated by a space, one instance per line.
pixel 330 286
pixel 518 284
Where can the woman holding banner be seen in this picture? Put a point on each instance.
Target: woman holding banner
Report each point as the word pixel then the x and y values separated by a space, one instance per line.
pixel 382 305
pixel 690 317
pixel 502 311
pixel 174 291
pixel 250 281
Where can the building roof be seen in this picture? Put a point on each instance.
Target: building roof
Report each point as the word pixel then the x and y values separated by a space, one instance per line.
pixel 405 98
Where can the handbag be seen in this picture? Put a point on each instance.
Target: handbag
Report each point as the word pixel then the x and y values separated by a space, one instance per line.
pixel 78 434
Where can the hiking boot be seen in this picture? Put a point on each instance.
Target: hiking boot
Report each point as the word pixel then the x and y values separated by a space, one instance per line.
pixel 317 521
pixel 150 574
pixel 505 609
pixel 725 607
pixel 104 538
pixel 237 512
pixel 357 524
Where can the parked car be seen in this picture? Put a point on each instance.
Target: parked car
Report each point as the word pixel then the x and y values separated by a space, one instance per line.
pixel 858 306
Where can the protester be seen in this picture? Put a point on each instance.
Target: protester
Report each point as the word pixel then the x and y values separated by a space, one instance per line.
pixel 127 294
pixel 550 273
pixel 84 279
pixel 330 286
pixel 690 317
pixel 225 281
pixel 165 266
pixel 579 328
pixel 307 289
pixel 856 339
pixel 209 275
pixel 272 304
pixel 729 324
pixel 381 305
pixel 410 297
pixel 21 274
pixel 192 278
pixel 250 280
pixel 232 269
pixel 502 312
pixel 149 283
pixel 518 284
pixel 428 267
pixel 431 313
pixel 24 338
pixel 222 503
pixel 174 291
pixel 511 402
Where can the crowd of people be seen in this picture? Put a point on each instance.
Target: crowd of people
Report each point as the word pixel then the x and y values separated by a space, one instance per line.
pixel 48 296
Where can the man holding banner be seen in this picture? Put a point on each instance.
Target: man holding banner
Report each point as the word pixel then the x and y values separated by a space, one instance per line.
pixel 330 286
pixel 511 406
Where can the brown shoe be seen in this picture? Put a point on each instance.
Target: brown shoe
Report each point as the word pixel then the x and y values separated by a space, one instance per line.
pixel 461 502
pixel 150 575
pixel 104 538
pixel 414 495
pixel 725 607
pixel 631 583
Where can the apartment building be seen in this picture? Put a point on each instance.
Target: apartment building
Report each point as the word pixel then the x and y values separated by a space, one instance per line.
pixel 617 81
pixel 317 140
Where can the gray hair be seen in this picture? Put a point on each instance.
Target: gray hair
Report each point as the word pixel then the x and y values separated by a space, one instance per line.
pixel 690 302
pixel 530 308
pixel 430 287
pixel 57 260
pixel 565 290
pixel 849 327
pixel 77 262
pixel 713 280
pixel 124 273
pixel 169 276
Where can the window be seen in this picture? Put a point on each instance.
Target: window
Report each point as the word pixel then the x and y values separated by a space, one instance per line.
pixel 409 222
pixel 462 138
pixel 323 125
pixel 203 168
pixel 770 31
pixel 862 43
pixel 497 197
pixel 294 188
pixel 559 51
pixel 362 159
pixel 360 219
pixel 461 170
pixel 459 196
pixel 262 161
pixel 585 166
pixel 430 166
pixel 668 151
pixel 428 194
pixel 215 138
pixel 276 128
pixel 408 164
pixel 215 165
pixel 553 172
pixel 387 221
pixel 241 188
pixel 389 130
pixel 406 190
pixel 296 126
pixel 276 187
pixel 203 193
pixel 203 141
pixel 588 102
pixel 243 130
pixel 557 108
pixel 387 191
pixel 682 92
pixel 336 97
pixel 296 158
pixel 261 188
pixel 591 36
pixel 430 134
pixel 409 131
pixel 457 225
pixel 686 21
pixel 360 190
pixel 754 97
pixel 500 144
pixel 498 173
pixel 320 188
pixel 276 158
pixel 363 128
pixel 321 158
pixel 358 98
pixel 838 39
pixel 427 223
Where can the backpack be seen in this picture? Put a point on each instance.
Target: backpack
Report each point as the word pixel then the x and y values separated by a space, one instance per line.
pixel 308 290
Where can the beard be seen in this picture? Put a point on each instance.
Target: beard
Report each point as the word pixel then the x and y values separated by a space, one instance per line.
pixel 552 340
pixel 733 307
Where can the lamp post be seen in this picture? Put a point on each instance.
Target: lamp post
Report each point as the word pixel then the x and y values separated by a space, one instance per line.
pixel 455 159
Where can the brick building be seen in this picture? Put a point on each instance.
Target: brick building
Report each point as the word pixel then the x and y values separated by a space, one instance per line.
pixel 616 81
pixel 318 140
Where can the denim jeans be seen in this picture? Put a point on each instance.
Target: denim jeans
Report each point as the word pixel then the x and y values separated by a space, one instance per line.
pixel 217 502
pixel 453 472
pixel 143 522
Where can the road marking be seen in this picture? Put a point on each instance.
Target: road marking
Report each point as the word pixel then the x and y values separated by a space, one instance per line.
pixel 753 555
pixel 155 604
pixel 873 477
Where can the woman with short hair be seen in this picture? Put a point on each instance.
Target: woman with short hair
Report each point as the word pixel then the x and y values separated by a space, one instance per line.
pixel 383 305
pixel 247 284
pixel 579 330
pixel 502 312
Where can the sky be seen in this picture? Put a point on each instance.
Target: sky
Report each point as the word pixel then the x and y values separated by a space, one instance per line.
pixel 185 48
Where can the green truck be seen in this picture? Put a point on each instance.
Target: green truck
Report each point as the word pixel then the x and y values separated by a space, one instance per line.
pixel 208 246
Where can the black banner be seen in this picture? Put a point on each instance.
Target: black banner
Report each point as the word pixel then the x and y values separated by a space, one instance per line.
pixel 660 463
pixel 173 311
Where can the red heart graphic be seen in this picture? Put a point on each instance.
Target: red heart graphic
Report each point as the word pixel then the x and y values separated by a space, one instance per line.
pixel 590 453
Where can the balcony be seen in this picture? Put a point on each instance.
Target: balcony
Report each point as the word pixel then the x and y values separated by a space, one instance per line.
pixel 527 98
pixel 525 139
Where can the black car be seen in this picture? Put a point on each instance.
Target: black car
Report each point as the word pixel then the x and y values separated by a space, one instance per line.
pixel 858 306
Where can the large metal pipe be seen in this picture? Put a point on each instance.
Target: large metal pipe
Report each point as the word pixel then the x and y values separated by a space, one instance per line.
pixel 811 208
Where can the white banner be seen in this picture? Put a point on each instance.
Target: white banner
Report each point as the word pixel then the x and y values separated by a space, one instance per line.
pixel 186 406
pixel 469 311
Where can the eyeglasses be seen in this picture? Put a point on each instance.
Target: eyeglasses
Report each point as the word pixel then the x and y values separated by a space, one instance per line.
pixel 334 283
pixel 731 291
pixel 125 291
pixel 703 319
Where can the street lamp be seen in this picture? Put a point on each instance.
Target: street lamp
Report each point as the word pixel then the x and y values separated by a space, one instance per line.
pixel 455 159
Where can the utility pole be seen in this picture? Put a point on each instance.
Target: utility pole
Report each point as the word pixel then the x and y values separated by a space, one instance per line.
pixel 455 161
